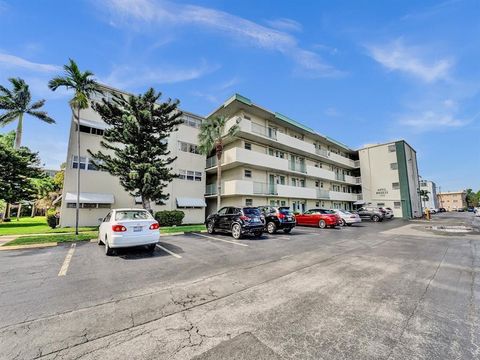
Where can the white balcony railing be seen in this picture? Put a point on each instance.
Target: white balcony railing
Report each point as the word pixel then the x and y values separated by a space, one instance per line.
pixel 323 194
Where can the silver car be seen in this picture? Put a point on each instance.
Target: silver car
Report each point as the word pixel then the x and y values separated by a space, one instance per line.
pixel 347 218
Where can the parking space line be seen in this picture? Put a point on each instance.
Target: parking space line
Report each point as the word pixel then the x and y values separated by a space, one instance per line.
pixel 169 252
pixel 66 262
pixel 227 241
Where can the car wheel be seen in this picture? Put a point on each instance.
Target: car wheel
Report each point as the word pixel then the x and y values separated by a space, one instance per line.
pixel 257 234
pixel 343 222
pixel 349 224
pixel 108 249
pixel 322 224
pixel 100 242
pixel 271 227
pixel 375 218
pixel 286 231
pixel 236 231
pixel 211 227
pixel 151 248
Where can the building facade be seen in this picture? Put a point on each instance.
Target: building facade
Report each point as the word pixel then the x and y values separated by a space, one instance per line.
pixel 275 160
pixel 431 188
pixel 389 178
pixel 452 200
pixel 101 191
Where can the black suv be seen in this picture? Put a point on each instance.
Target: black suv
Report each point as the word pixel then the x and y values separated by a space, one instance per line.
pixel 277 218
pixel 372 213
pixel 237 220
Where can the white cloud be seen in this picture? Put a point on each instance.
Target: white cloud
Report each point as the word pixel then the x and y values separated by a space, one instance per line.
pixel 396 56
pixel 12 61
pixel 285 24
pixel 125 76
pixel 430 121
pixel 243 30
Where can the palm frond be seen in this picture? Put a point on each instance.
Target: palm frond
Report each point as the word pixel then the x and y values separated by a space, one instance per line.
pixel 37 104
pixel 8 117
pixel 42 115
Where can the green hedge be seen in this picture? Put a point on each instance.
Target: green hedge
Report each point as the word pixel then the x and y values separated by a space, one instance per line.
pixel 51 218
pixel 169 218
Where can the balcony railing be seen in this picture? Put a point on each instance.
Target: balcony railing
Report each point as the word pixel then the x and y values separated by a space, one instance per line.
pixel 260 188
pixel 358 180
pixel 339 177
pixel 356 163
pixel 264 131
pixel 323 194
pixel 322 152
pixel 297 166
pixel 211 189
pixel 211 162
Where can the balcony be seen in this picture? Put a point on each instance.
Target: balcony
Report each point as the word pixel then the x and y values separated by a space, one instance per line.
pixel 358 180
pixel 356 163
pixel 211 162
pixel 320 173
pixel 339 177
pixel 264 131
pixel 323 194
pixel 296 192
pixel 341 196
pixel 297 166
pixel 211 189
pixel 260 188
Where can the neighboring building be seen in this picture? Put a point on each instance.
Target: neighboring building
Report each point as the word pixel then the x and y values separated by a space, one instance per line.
pixel 432 201
pixel 50 172
pixel 100 191
pixel 389 178
pixel 278 161
pixel 452 200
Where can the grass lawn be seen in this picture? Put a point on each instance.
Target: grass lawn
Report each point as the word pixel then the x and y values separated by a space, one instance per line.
pixel 28 240
pixel 36 225
pixel 181 228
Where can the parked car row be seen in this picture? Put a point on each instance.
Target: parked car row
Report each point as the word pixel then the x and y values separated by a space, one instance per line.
pixel 254 221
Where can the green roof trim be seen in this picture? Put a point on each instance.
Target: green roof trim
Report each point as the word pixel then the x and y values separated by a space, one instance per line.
pixel 243 99
pixel 293 122
pixel 337 142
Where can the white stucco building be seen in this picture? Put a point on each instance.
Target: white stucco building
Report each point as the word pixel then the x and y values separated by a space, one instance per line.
pixel 431 187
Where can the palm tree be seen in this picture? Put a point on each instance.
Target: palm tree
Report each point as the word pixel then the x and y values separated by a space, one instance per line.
pixel 17 103
pixel 210 138
pixel 424 196
pixel 84 86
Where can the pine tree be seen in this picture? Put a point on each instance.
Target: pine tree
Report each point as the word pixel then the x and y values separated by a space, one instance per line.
pixel 136 140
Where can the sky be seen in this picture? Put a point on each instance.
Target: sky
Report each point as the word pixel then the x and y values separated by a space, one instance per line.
pixel 361 72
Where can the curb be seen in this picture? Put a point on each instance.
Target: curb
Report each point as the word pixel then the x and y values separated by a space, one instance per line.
pixel 31 246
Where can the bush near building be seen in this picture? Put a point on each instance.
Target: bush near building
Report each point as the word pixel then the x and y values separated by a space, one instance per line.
pixel 169 217
pixel 51 218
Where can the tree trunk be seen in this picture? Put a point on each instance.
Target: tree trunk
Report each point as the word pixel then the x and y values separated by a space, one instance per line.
pixel 19 132
pixel 219 180
pixel 146 204
pixel 33 209
pixel 77 209
pixel 7 211
pixel 18 211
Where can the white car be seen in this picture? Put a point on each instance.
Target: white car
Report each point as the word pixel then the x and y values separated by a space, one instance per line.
pixel 388 212
pixel 347 218
pixel 128 227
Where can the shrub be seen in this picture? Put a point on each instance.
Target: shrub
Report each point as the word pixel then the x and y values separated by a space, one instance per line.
pixel 169 217
pixel 7 220
pixel 52 218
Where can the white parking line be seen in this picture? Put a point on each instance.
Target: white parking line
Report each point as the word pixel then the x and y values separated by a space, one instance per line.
pixel 168 251
pixel 66 262
pixel 214 238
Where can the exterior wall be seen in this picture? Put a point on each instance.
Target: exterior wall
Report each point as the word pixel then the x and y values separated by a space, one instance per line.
pixel 453 201
pixel 412 178
pixel 102 182
pixel 431 187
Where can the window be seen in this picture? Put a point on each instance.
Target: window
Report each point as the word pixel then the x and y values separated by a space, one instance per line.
pixel 83 162
pixel 321 184
pixel 248 146
pixel 91 130
pixel 395 186
pixel 198 176
pixel 222 211
pixel 191 121
pixel 132 215
pixel 248 202
pixel 380 204
pixel 392 148
pixel 276 153
pixel 317 184
pixel 394 166
pixel 396 204
pixel 317 204
pixel 247 173
pixel 283 203
pixel 186 147
pixel 88 206
pixel 189 175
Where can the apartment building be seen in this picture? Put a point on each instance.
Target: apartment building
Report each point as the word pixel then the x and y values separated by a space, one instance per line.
pixel 100 191
pixel 390 178
pixel 276 160
pixel 453 200
pixel 431 187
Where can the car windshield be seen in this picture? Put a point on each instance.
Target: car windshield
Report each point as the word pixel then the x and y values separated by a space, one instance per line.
pixel 285 211
pixel 344 212
pixel 251 211
pixel 327 211
pixel 132 215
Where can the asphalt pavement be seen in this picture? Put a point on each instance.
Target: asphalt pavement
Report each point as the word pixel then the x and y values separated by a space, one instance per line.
pixel 391 290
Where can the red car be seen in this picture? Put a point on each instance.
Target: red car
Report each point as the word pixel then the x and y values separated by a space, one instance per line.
pixel 318 217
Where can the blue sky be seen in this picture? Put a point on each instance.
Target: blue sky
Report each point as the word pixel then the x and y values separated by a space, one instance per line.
pixel 359 71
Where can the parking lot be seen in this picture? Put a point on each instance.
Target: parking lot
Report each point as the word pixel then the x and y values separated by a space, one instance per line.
pixel 366 291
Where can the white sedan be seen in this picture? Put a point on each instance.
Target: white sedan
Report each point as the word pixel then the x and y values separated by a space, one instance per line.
pixel 128 227
pixel 347 218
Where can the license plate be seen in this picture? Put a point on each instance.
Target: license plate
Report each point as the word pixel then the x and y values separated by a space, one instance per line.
pixel 289 218
pixel 137 228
